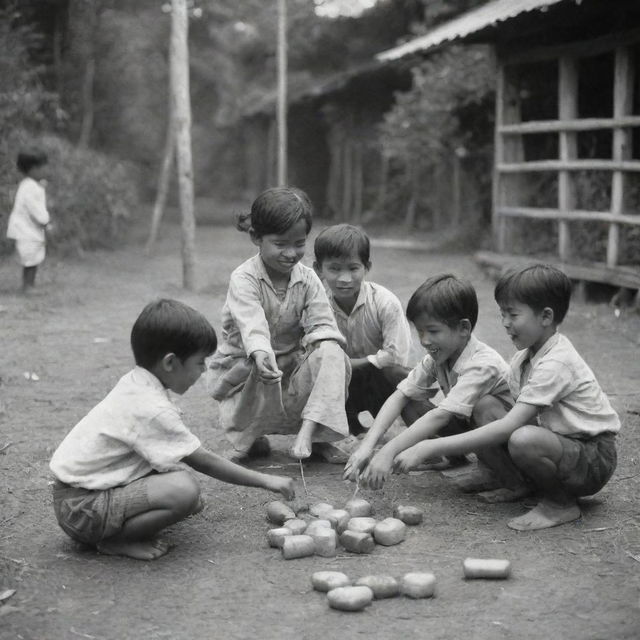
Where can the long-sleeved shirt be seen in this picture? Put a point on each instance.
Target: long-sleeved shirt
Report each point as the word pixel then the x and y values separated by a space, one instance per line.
pixel 29 216
pixel 376 328
pixel 255 318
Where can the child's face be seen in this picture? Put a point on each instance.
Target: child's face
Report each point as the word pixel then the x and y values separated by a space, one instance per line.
pixel 184 373
pixel 39 172
pixel 442 342
pixel 343 276
pixel 280 252
pixel 526 328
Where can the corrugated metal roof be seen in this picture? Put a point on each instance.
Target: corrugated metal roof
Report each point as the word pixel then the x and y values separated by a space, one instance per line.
pixel 485 16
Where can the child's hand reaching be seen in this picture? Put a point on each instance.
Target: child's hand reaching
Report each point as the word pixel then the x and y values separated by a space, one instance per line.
pixel 357 462
pixel 377 472
pixel 267 367
pixel 408 459
pixel 282 485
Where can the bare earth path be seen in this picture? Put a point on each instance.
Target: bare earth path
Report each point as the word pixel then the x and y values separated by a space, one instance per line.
pixel 575 582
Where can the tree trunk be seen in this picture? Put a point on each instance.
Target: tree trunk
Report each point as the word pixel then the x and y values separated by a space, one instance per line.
pixel 164 180
pixel 410 216
pixel 182 111
pixel 382 184
pixel 282 92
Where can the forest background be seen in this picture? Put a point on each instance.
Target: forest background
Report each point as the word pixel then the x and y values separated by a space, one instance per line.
pixel 88 79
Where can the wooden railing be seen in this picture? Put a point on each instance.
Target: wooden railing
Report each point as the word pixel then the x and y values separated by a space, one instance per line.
pixel 510 161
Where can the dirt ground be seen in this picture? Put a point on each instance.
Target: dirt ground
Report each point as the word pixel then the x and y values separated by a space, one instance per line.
pixel 576 582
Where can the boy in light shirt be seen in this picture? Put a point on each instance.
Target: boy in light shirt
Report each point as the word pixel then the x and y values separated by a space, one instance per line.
pixel 470 374
pixel 122 473
pixel 561 433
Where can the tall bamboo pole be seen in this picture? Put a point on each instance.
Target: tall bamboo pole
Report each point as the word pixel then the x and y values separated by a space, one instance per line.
pixel 282 92
pixel 182 122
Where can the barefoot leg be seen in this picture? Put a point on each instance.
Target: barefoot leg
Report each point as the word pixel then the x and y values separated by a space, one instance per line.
pixel 546 514
pixel 138 550
pixel 301 448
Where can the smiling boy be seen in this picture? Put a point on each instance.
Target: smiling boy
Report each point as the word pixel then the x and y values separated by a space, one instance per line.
pixel 561 432
pixel 470 374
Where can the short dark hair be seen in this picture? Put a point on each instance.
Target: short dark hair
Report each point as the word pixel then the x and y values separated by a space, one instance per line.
pixel 538 286
pixel 342 241
pixel 29 159
pixel 276 210
pixel 447 299
pixel 169 326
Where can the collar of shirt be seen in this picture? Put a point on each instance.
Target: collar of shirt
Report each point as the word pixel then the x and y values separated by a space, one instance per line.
pixel 143 376
pixel 363 296
pixel 467 353
pixel 542 351
pixel 261 273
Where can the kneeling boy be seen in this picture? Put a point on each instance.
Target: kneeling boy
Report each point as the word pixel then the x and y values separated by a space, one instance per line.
pixel 561 432
pixel 471 375
pixel 120 473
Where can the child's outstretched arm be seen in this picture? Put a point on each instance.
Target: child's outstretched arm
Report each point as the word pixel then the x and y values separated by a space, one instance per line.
pixel 491 434
pixel 217 467
pixel 389 411
pixel 427 426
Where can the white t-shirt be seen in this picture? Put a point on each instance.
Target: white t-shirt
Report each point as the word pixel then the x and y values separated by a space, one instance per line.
pixel 29 215
pixel 136 429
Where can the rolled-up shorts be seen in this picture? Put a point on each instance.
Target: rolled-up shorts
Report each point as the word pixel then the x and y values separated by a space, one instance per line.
pixel 587 463
pixel 30 253
pixel 90 516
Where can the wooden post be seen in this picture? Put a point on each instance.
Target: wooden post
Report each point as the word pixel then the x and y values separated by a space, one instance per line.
pixel 506 189
pixel 282 92
pixel 358 186
pixel 164 180
pixel 347 166
pixel 622 106
pixel 182 113
pixel 271 153
pixel 456 191
pixel 568 110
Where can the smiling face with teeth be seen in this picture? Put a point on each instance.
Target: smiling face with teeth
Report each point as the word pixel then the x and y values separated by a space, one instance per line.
pixel 443 342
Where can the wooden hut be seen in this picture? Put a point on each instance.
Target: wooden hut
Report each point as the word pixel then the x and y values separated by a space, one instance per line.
pixel 566 182
pixel 333 144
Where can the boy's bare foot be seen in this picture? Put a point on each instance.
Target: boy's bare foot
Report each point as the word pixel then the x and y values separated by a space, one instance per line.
pixel 441 464
pixel 545 515
pixel 138 550
pixel 504 494
pixel 475 481
pixel 301 448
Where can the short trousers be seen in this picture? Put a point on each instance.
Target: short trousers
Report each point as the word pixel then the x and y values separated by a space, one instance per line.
pixel 587 463
pixel 90 516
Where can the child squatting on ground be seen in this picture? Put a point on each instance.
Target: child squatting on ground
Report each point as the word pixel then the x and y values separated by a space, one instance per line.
pixel 371 318
pixel 561 433
pixel 280 367
pixel 470 374
pixel 29 217
pixel 121 474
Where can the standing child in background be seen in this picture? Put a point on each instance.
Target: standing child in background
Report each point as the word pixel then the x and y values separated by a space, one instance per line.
pixel 471 375
pixel 29 217
pixel 370 318
pixel 280 367
pixel 120 474
pixel 561 433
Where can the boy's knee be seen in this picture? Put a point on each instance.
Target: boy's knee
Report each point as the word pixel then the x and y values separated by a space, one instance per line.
pixel 488 409
pixel 523 442
pixel 183 493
